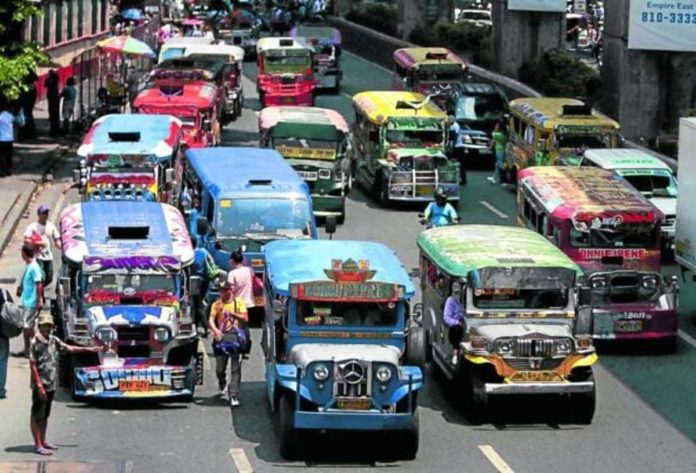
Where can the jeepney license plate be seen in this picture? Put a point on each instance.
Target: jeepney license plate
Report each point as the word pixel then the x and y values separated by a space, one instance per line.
pixel 288 99
pixel 628 326
pixel 424 190
pixel 536 377
pixel 308 175
pixel 133 386
pixel 354 404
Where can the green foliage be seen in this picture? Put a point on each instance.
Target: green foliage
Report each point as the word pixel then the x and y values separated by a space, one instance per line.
pixel 558 74
pixel 466 38
pixel 377 16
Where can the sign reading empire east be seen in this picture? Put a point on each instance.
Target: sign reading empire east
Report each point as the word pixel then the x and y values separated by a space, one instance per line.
pixel 662 25
pixel 538 5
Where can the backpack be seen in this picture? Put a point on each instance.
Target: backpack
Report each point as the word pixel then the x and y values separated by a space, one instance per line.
pixel 11 320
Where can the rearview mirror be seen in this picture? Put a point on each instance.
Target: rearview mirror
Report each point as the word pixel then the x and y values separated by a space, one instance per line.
pixel 330 225
pixel 169 175
pixel 195 285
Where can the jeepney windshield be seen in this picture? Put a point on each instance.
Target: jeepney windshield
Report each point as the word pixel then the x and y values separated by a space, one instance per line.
pixel 131 284
pixel 479 107
pixel 653 182
pixel 582 141
pixel 440 73
pixel 264 218
pixel 172 53
pixel 346 314
pixel 287 60
pixel 414 138
pixel 513 298
pixel 628 235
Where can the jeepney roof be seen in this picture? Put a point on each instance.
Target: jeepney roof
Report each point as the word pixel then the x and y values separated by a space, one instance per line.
pixel 208 64
pixel 228 171
pixel 274 42
pixel 216 50
pixel 199 95
pixel 297 261
pixel 272 116
pixel 132 134
pixel 414 57
pixel 321 33
pixel 186 40
pixel 382 105
pixel 462 249
pixel 86 230
pixel 624 158
pixel 549 113
pixel 566 192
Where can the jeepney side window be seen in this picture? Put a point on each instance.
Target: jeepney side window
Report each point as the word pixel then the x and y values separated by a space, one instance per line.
pixel 436 278
pixel 528 133
pixel 210 210
pixel 373 134
pixel 542 224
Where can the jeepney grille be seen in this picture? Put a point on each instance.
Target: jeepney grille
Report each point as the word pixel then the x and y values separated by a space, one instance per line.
pixel 534 347
pixel 352 379
pixel 288 79
pixel 522 364
pixel 133 351
pixel 137 333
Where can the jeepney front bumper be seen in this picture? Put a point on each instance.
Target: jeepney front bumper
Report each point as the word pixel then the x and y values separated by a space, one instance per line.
pixel 420 186
pixel 539 388
pixel 101 382
pixel 335 419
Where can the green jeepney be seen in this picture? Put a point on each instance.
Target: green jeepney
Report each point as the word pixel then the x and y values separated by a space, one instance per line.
pixel 315 143
pixel 399 140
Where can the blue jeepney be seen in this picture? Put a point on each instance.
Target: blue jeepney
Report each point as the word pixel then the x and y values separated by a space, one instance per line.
pixel 334 336
pixel 131 157
pixel 248 198
pixel 125 284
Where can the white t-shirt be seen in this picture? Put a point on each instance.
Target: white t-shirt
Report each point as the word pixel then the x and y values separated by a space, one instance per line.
pixel 47 232
pixel 240 278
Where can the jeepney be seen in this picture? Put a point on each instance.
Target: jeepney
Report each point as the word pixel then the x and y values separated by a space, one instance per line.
pixel 524 329
pixel 541 130
pixel 285 71
pixel 176 47
pixel 131 157
pixel 613 232
pixel 399 140
pixel 196 104
pixel 233 58
pixel 651 176
pixel 333 339
pixel 315 143
pixel 429 71
pixel 327 43
pixel 125 285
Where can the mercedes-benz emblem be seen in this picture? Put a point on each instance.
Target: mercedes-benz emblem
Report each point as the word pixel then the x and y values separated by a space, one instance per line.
pixel 352 372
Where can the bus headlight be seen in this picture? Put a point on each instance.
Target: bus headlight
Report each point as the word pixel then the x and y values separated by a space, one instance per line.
pixel 162 334
pixel 383 374
pixel 321 373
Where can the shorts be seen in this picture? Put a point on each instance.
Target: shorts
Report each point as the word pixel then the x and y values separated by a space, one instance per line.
pixel 29 314
pixel 41 408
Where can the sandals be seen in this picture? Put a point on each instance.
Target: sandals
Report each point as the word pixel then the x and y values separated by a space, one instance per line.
pixel 50 446
pixel 43 451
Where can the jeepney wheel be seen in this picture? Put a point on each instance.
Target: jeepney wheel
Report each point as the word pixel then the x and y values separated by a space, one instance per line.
pixel 383 194
pixel 475 394
pixel 410 438
pixel 417 347
pixel 666 345
pixel 583 405
pixel 290 441
pixel 510 175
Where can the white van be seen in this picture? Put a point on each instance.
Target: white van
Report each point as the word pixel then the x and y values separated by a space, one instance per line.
pixel 652 177
pixel 177 46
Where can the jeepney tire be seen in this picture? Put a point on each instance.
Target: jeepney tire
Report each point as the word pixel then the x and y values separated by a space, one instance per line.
pixel 410 438
pixel 290 442
pixel 475 394
pixel 383 194
pixel 666 345
pixel 417 347
pixel 583 405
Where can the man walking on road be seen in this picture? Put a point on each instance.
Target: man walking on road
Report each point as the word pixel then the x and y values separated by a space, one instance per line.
pixel 39 234
pixel 4 352
pixel 457 146
pixel 31 292
pixel 7 121
pixel 53 96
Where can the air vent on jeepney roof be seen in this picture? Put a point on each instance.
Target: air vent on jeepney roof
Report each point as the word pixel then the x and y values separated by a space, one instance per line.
pixel 129 233
pixel 408 105
pixel 286 42
pixel 260 182
pixel 514 260
pixel 124 136
pixel 577 110
pixel 171 89
pixel 436 56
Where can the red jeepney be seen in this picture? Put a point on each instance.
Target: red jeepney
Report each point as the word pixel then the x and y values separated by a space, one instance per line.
pixel 286 71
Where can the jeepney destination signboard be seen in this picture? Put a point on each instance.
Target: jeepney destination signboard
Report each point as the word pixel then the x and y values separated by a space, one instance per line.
pixel 346 291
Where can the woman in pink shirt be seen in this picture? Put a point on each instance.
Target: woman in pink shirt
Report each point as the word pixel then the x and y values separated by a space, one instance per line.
pixel 241 278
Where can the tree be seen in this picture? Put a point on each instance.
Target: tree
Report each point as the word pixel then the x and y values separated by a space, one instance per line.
pixel 18 58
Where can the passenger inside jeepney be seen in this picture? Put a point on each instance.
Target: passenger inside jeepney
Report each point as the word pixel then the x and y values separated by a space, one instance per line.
pixel 513 298
pixel 346 314
pixel 414 138
pixel 581 142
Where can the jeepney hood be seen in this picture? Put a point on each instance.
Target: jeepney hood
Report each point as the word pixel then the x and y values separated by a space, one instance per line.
pixel 666 205
pixel 520 330
pixel 395 155
pixel 125 315
pixel 305 353
pixel 312 163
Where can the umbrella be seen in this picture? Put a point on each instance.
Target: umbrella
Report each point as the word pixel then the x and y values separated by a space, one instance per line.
pixel 133 14
pixel 126 45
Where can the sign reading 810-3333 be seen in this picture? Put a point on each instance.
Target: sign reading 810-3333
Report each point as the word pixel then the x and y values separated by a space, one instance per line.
pixel 662 25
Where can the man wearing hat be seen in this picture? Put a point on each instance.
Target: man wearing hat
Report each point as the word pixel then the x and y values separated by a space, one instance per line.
pixel 39 234
pixel 44 375
pixel 228 318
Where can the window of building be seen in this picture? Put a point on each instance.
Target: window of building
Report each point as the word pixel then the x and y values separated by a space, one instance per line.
pixel 47 26
pixel 95 16
pixel 104 9
pixel 34 31
pixel 70 33
pixel 59 23
pixel 80 17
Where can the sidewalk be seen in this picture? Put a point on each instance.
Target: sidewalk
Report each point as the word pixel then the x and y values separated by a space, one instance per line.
pixel 32 164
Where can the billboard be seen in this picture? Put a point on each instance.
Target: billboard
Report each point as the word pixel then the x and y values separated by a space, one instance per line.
pixel 662 25
pixel 538 5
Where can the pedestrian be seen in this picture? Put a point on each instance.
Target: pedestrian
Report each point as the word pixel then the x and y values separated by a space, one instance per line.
pixel 42 359
pixel 28 102
pixel 30 290
pixel 498 142
pixel 69 95
pixel 193 214
pixel 4 352
pixel 133 83
pixel 39 234
pixel 7 134
pixel 227 321
pixel 241 277
pixel 53 98
pixel 205 268
pixel 456 138
pixel 453 316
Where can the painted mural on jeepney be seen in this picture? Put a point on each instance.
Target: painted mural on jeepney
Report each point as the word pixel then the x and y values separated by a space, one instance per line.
pixel 160 264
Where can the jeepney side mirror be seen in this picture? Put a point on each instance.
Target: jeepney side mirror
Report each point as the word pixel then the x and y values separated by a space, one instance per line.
pixel 65 286
pixel 330 226
pixel 169 175
pixel 202 226
pixel 206 125
pixel 278 309
pixel 584 296
pixel 541 145
pixel 194 285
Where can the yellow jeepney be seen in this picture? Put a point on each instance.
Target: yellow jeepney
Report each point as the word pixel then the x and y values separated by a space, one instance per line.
pixel 544 129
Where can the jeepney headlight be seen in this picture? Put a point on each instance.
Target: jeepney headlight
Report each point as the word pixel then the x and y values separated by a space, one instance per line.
pixel 324 174
pixel 504 346
pixel 584 342
pixel 478 343
pixel 233 95
pixel 467 139
pixel 564 346
pixel 162 334
pixel 599 283
pixel 106 334
pixel 321 373
pixel 383 374
pixel 649 282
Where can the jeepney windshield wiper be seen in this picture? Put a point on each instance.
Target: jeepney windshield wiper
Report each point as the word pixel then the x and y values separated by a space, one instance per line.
pixel 260 237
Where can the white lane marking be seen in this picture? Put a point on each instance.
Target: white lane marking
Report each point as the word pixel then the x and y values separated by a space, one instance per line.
pixel 492 208
pixel 373 64
pixel 240 460
pixel 687 338
pixel 348 96
pixel 495 459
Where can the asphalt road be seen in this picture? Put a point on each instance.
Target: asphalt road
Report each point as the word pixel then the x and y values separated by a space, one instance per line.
pixel 645 419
